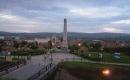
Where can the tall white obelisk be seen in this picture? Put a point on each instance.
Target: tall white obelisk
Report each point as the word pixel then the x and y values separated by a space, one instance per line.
pixel 65 42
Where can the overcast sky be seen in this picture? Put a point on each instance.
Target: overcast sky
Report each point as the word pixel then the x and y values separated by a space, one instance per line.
pixel 89 16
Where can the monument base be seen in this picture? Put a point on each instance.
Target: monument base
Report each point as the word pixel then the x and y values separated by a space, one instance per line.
pixel 65 50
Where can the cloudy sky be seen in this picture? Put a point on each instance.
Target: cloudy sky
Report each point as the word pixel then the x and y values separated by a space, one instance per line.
pixel 89 16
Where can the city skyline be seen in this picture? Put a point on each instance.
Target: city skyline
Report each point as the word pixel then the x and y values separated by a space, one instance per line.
pixel 90 16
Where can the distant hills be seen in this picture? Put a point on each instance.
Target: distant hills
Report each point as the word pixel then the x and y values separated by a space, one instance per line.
pixel 73 35
pixel 102 36
pixel 30 35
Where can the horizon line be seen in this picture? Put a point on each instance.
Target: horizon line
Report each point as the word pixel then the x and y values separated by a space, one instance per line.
pixel 67 32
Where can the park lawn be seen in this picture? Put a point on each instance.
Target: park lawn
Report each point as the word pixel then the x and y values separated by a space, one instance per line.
pixel 107 57
pixel 110 58
pixel 81 65
pixel 31 52
pixel 72 64
pixel 92 71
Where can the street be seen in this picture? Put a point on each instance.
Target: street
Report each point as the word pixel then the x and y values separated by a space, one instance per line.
pixel 37 63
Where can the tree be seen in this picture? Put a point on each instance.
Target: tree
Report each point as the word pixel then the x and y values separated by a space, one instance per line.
pixel 97 46
pixel 1 44
pixel 33 45
pixel 16 44
pixel 49 44
pixel 74 48
pixel 23 43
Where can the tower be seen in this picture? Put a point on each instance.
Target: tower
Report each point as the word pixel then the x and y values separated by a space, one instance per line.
pixel 65 42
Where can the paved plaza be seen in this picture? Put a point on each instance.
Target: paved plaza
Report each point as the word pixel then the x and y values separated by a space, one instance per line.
pixel 37 63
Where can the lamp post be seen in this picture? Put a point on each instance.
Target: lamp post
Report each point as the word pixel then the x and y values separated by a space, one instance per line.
pixel 51 57
pixel 101 54
pixel 51 50
pixel 106 72
pixel 50 45
pixel 79 44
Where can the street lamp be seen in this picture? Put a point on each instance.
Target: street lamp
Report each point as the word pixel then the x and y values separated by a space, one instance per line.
pixel 51 57
pixel 101 54
pixel 79 44
pixel 106 72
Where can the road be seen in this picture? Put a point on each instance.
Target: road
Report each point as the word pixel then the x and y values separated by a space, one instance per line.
pixel 37 63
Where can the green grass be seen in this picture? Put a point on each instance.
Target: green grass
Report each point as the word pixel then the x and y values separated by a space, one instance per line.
pixel 92 71
pixel 32 52
pixel 83 65
pixel 107 57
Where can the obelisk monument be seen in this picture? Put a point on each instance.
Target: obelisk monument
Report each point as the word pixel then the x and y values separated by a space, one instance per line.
pixel 65 42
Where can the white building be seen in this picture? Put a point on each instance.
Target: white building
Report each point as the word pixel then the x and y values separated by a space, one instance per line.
pixel 42 40
pixel 2 37
pixel 29 40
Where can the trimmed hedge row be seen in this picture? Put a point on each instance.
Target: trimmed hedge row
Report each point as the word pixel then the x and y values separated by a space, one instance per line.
pixel 29 52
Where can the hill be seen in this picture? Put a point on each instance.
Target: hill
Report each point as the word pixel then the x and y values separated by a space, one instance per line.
pixel 73 35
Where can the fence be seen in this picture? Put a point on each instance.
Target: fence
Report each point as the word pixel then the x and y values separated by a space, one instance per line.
pixel 8 70
pixel 49 69
pixel 44 72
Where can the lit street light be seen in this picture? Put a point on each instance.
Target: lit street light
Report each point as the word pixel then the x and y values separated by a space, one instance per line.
pixel 106 72
pixel 79 44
